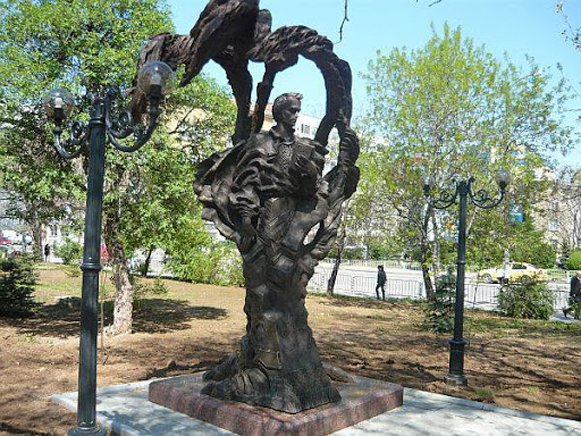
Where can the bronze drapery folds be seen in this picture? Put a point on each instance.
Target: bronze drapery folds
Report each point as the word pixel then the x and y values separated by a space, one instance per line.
pixel 267 193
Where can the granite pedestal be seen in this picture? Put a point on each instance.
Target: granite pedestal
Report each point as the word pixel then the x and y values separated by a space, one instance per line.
pixel 363 398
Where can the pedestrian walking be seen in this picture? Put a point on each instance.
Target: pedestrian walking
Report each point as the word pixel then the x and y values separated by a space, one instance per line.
pixel 381 278
pixel 46 252
pixel 574 296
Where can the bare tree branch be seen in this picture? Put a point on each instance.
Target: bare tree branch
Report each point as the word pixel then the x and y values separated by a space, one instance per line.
pixel 345 19
pixel 433 3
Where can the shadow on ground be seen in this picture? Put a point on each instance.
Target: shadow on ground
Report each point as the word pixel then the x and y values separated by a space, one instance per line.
pixel 10 429
pixel 155 315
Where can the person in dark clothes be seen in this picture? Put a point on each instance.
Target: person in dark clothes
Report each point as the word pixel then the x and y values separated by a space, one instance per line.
pixel 46 252
pixel 574 295
pixel 380 282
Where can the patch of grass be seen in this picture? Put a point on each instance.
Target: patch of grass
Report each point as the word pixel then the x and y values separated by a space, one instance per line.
pixel 496 325
pixel 533 390
pixel 381 329
pixel 28 337
pixel 485 395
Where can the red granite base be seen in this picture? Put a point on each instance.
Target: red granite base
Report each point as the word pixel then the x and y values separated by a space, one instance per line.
pixel 362 399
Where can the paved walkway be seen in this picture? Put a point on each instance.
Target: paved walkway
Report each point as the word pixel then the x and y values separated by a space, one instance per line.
pixel 125 410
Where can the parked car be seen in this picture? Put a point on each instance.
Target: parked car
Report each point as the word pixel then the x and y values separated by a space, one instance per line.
pixel 5 241
pixel 515 272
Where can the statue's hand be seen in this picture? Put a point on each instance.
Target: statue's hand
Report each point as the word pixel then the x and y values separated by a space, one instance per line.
pixel 304 165
pixel 247 235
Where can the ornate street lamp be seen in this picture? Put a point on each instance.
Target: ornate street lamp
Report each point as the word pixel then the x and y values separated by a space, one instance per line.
pixel 481 199
pixel 105 126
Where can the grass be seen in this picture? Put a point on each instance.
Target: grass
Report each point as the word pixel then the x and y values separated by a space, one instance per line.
pixel 56 284
pixel 484 395
pixel 498 326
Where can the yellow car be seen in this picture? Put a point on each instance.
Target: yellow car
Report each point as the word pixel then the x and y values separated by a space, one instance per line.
pixel 515 272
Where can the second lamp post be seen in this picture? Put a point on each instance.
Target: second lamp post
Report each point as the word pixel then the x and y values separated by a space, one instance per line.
pixel 463 191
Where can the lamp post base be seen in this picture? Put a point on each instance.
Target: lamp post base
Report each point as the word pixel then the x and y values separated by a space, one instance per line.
pixel 91 431
pixel 458 380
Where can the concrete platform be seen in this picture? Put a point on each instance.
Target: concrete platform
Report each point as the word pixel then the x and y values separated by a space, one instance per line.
pixel 126 410
pixel 362 398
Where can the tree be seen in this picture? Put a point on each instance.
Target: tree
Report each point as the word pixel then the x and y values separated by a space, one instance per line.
pixel 448 111
pixel 86 46
pixel 160 207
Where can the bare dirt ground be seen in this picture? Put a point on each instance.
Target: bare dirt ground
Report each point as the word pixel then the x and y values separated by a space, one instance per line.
pixel 527 365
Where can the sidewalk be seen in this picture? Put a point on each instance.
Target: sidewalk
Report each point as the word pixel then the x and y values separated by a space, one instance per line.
pixel 125 410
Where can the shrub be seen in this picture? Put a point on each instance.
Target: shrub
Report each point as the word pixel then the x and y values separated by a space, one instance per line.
pixel 142 290
pixel 530 299
pixel 574 261
pixel 69 251
pixel 217 265
pixel 439 313
pixel 17 280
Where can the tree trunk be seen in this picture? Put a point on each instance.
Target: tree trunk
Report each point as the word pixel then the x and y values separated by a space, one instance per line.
pixel 123 308
pixel 37 246
pixel 435 246
pixel 426 274
pixel 340 247
pixel 145 268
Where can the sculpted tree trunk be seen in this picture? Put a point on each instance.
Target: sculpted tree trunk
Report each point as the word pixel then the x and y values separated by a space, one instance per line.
pixel 267 192
pixel 123 308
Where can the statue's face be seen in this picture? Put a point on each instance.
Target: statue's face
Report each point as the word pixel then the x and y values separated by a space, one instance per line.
pixel 290 113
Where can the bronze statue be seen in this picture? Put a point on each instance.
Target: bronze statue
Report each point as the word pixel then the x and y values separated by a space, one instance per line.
pixel 267 194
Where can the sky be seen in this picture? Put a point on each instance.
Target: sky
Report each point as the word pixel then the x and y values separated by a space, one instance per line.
pixel 514 27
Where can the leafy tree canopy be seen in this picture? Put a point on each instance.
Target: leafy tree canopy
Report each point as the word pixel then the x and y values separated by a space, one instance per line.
pixel 448 111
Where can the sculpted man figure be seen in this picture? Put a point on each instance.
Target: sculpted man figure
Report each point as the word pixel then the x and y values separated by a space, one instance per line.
pixel 268 195
pixel 270 199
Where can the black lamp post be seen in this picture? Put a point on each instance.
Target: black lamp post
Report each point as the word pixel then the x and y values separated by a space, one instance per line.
pixel 481 199
pixel 104 127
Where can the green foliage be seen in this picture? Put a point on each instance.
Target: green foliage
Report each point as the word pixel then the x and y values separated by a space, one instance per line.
pixel 218 264
pixel 387 249
pixel 82 46
pixel 142 290
pixel 439 313
pixel 530 299
pixel 574 261
pixel 71 252
pixel 17 280
pixel 576 308
pixel 353 253
pixel 524 242
pixel 565 253
pixel 442 111
pixel 86 46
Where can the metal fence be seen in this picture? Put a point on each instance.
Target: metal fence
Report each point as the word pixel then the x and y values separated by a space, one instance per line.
pixel 477 295
pixel 555 275
pixel 388 264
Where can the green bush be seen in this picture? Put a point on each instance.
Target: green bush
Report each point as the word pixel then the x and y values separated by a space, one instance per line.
pixel 439 313
pixel 69 251
pixel 17 280
pixel 217 265
pixel 574 261
pixel 530 299
pixel 142 290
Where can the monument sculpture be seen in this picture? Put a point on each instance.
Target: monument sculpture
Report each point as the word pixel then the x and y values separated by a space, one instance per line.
pixel 268 194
